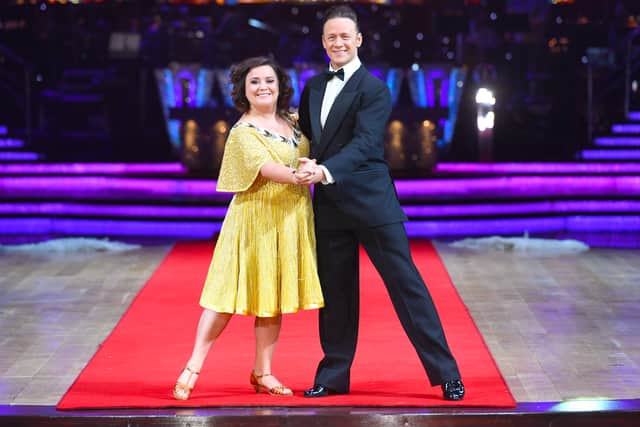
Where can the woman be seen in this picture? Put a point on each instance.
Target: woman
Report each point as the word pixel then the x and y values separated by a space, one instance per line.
pixel 264 263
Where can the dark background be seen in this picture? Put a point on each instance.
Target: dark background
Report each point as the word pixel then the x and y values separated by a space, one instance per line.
pixel 88 102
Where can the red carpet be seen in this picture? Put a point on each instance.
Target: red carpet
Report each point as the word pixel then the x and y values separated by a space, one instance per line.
pixel 138 363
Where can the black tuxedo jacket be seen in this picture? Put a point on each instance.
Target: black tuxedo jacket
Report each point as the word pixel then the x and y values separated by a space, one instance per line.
pixel 351 147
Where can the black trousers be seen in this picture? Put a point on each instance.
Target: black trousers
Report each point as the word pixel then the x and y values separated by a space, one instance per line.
pixel 338 266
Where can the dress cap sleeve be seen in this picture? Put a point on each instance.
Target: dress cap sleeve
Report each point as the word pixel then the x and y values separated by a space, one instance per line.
pixel 244 155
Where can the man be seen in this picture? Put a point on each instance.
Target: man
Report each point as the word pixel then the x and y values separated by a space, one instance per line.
pixel 344 112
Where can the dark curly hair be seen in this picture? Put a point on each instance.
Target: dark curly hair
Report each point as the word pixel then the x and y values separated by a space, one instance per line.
pixel 238 77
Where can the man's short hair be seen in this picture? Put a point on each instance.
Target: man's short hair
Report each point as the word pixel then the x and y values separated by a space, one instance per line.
pixel 341 11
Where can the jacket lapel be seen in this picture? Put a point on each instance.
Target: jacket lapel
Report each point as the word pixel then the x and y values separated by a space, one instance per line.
pixel 315 104
pixel 337 113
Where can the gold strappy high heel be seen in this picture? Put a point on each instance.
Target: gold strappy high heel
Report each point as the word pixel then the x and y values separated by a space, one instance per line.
pixel 278 390
pixel 182 391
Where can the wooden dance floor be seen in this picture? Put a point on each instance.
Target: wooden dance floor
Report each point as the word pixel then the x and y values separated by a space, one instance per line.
pixel 564 331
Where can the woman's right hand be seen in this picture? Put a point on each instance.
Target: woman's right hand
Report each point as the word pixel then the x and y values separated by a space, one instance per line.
pixel 301 177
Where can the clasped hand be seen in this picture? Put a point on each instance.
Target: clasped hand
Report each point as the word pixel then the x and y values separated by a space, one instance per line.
pixel 308 172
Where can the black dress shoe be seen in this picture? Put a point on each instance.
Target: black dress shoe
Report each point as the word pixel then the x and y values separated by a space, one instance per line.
pixel 319 390
pixel 453 390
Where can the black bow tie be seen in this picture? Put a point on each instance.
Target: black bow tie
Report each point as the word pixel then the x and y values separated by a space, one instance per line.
pixel 331 74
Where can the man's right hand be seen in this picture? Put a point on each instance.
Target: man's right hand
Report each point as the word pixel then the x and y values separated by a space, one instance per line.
pixel 315 173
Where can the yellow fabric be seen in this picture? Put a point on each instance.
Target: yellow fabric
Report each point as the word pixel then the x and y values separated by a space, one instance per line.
pixel 245 151
pixel 264 263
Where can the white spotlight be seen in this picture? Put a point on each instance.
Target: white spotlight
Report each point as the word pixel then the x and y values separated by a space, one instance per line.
pixel 485 97
pixel 485 121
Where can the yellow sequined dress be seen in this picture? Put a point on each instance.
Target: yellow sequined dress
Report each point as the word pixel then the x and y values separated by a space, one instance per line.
pixel 264 262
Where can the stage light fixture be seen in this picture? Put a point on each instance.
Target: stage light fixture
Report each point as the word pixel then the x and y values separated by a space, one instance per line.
pixel 485 96
pixel 485 119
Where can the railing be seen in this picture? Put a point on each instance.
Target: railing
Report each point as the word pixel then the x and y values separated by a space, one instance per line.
pixel 609 80
pixel 629 57
pixel 26 72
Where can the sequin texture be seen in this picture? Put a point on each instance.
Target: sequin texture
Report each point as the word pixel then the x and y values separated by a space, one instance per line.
pixel 264 262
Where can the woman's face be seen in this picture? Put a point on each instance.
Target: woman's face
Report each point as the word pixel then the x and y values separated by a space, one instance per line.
pixel 261 87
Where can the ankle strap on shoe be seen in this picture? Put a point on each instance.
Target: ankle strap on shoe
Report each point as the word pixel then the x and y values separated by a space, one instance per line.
pixel 263 375
pixel 193 371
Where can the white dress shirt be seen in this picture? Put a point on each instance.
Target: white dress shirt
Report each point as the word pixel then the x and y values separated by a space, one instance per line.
pixel 331 92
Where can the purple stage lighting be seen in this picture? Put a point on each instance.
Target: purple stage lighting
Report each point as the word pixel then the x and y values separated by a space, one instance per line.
pixel 524 208
pixel 519 187
pixel 537 168
pixel 128 211
pixel 519 226
pixel 92 168
pixel 617 141
pixel 625 128
pixel 603 223
pixel 11 143
pixel 109 188
pixel 415 229
pixel 611 154
pixel 18 156
pixel 99 227
pixel 484 227
pixel 146 211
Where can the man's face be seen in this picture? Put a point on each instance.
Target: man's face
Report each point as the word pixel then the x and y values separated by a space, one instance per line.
pixel 341 40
